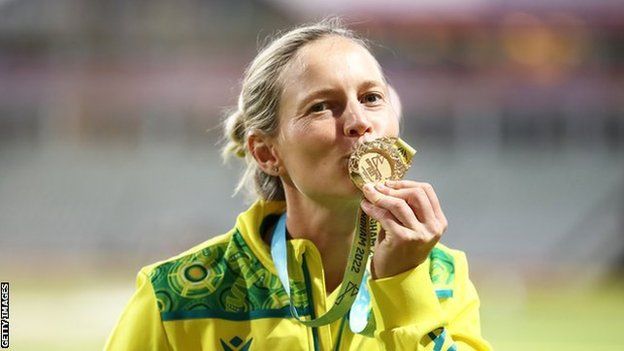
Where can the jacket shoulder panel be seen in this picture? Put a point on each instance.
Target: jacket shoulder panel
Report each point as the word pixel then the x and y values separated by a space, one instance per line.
pixel 221 279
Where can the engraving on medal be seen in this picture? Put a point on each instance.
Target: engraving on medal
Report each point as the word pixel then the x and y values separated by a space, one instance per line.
pixel 379 160
pixel 375 167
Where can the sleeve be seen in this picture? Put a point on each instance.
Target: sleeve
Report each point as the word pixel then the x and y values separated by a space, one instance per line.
pixel 409 315
pixel 140 326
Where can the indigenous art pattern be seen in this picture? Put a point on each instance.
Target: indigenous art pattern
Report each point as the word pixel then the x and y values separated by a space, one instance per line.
pixel 224 280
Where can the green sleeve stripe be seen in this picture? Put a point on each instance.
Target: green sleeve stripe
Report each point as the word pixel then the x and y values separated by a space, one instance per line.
pixel 283 312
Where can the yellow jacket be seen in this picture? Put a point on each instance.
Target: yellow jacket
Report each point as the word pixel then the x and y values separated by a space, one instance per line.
pixel 224 294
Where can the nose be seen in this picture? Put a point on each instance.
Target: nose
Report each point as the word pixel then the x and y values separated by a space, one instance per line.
pixel 356 122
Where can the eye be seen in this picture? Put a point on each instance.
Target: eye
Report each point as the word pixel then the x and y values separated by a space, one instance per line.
pixel 372 99
pixel 318 107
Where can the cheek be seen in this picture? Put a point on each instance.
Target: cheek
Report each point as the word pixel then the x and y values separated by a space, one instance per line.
pixel 308 142
pixel 312 135
pixel 395 127
pixel 388 124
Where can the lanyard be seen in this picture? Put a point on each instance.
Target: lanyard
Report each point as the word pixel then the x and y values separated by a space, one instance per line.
pixel 353 294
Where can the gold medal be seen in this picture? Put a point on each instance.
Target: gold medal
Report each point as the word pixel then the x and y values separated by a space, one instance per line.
pixel 382 159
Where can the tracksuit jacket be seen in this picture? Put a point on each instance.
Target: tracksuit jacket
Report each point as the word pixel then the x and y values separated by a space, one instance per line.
pixel 225 295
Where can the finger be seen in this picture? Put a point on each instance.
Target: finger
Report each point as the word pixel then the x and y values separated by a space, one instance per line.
pixel 397 206
pixel 399 209
pixel 370 194
pixel 416 198
pixel 435 203
pixel 402 184
pixel 388 223
pixel 431 194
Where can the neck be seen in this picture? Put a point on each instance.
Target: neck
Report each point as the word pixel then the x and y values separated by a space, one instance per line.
pixel 329 225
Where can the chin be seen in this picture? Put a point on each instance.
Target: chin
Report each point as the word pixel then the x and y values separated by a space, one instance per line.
pixel 341 191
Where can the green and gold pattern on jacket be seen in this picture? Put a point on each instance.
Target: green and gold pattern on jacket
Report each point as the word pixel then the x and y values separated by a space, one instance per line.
pixel 223 281
pixel 442 272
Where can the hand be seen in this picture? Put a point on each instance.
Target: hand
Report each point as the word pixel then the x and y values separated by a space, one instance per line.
pixel 412 223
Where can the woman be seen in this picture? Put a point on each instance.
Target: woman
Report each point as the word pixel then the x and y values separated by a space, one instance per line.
pixel 308 100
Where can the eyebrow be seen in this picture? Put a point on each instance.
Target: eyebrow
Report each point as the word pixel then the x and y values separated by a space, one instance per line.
pixel 313 95
pixel 371 83
pixel 327 91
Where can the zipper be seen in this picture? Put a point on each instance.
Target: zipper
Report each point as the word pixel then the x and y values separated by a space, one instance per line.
pixel 339 339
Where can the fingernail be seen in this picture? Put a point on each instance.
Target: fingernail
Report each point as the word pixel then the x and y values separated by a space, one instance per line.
pixel 390 182
pixel 368 187
pixel 379 186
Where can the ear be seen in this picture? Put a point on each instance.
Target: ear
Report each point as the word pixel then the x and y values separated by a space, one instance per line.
pixel 262 148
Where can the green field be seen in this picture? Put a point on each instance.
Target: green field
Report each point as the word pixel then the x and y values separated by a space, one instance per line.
pixel 54 315
pixel 554 318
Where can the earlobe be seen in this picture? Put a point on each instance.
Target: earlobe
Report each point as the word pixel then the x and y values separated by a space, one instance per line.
pixel 262 149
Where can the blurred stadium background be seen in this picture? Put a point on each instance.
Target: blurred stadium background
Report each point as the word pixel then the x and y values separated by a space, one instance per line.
pixel 109 157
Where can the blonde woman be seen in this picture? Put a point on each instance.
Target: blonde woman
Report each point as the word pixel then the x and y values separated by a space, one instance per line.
pixel 308 100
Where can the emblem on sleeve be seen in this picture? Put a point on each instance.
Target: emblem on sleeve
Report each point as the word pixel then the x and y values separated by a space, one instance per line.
pixel 236 344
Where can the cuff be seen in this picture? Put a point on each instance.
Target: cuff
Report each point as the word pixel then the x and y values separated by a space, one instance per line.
pixel 406 299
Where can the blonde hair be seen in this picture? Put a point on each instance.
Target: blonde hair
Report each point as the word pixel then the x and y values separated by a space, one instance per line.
pixel 258 102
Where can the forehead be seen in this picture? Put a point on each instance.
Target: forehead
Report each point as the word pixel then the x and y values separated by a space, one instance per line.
pixel 332 57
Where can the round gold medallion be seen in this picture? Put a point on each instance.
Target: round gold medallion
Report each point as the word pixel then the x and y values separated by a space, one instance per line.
pixel 379 160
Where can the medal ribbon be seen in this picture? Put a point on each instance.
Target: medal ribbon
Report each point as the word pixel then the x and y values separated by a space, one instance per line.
pixel 352 282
